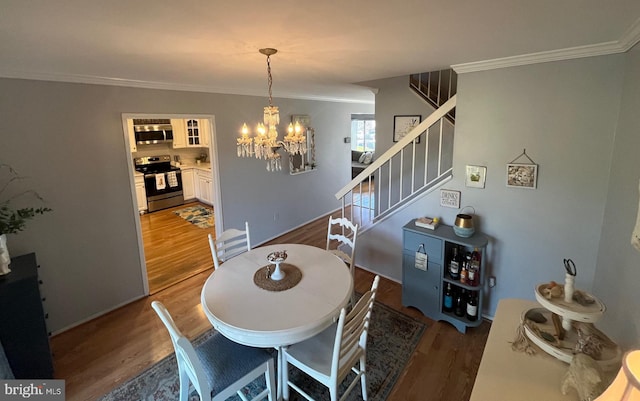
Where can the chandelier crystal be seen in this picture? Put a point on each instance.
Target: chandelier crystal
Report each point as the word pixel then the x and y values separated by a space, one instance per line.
pixel 265 145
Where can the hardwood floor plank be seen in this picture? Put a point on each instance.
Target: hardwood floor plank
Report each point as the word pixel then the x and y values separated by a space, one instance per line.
pixel 98 355
pixel 172 247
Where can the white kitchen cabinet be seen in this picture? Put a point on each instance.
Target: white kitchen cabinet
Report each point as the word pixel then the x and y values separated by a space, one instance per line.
pixel 193 128
pixel 204 188
pixel 205 131
pixel 141 194
pixel 179 136
pixel 188 184
pixel 191 133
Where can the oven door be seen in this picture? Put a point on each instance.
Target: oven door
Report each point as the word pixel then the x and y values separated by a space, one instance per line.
pixel 163 191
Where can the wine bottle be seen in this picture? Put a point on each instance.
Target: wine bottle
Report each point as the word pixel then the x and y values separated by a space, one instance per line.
pixel 454 264
pixel 474 270
pixel 459 304
pixel 472 306
pixel 448 299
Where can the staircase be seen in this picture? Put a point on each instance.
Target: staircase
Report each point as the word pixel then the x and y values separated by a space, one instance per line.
pixel 436 88
pixel 417 164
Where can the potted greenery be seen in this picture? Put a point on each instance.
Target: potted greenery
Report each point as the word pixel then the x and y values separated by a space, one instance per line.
pixel 13 219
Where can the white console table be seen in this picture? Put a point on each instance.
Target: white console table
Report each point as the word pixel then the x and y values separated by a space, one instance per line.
pixel 509 375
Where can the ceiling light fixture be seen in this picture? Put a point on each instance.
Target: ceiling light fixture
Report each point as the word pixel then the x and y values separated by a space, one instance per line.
pixel 265 145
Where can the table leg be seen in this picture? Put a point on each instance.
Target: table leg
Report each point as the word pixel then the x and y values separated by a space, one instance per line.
pixel 282 391
pixel 279 384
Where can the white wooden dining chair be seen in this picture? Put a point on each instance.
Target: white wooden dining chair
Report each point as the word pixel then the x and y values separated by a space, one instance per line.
pixel 331 355
pixel 230 243
pixel 218 368
pixel 341 241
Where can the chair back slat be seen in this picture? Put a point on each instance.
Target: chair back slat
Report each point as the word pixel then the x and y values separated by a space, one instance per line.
pixel 230 243
pixel 351 331
pixel 345 233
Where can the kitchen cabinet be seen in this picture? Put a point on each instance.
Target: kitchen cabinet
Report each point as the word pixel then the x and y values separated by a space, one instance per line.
pixel 179 137
pixel 191 133
pixel 423 288
pixel 23 332
pixel 204 188
pixel 141 193
pixel 188 184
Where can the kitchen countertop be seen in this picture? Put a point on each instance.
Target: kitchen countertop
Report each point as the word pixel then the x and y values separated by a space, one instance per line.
pixel 201 166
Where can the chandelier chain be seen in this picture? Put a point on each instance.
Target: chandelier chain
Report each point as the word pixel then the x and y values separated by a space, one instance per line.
pixel 269 80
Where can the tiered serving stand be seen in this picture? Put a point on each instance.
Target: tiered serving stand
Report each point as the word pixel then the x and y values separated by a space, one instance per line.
pixel 573 315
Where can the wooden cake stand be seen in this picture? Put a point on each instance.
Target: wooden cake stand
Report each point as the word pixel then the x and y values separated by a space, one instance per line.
pixel 575 317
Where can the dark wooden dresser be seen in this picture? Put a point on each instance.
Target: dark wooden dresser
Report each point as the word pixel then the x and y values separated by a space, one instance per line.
pixel 23 331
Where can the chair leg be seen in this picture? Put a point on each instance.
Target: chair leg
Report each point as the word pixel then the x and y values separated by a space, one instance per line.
pixel 271 384
pixel 333 390
pixel 283 373
pixel 363 377
pixel 184 384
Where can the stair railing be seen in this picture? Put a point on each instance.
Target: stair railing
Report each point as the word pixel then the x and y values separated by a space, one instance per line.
pixel 403 172
pixel 435 87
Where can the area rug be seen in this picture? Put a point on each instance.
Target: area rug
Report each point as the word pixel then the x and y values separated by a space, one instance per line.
pixel 198 215
pixel 393 337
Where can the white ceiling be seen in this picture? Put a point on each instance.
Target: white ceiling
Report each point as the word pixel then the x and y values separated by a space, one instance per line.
pixel 325 46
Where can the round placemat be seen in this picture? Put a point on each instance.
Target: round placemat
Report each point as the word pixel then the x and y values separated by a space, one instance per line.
pixel 293 275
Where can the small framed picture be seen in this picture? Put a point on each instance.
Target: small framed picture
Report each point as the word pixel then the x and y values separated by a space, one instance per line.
pixel 522 175
pixel 402 125
pixel 449 198
pixel 476 176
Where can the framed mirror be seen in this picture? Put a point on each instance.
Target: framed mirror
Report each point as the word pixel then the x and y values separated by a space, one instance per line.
pixel 303 163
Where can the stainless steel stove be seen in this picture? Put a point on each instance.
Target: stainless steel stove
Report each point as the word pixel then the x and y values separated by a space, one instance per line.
pixel 162 182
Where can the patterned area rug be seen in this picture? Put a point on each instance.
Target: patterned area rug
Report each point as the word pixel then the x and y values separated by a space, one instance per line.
pixel 393 337
pixel 198 215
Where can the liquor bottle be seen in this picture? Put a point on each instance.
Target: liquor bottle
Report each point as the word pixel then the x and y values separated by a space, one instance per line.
pixel 464 273
pixel 474 270
pixel 472 306
pixel 459 304
pixel 454 264
pixel 448 299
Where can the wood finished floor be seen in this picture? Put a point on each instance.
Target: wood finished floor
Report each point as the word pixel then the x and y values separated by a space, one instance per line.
pixel 172 247
pixel 96 356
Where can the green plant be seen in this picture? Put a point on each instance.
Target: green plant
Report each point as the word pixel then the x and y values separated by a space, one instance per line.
pixel 12 219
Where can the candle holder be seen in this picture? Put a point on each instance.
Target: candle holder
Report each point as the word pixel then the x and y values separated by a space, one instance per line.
pixel 276 258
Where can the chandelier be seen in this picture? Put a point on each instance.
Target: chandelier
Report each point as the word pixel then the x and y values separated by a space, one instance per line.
pixel 265 145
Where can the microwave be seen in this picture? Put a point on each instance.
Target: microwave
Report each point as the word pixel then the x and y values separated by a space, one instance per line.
pixel 150 134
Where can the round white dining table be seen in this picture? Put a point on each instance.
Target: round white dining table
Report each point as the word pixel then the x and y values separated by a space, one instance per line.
pixel 250 315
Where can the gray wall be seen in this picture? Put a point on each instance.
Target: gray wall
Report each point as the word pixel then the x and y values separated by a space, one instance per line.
pixel 68 139
pixel 617 279
pixel 565 114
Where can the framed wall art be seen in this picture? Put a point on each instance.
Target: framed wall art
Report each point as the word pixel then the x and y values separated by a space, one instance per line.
pixel 402 125
pixel 475 176
pixel 449 198
pixel 522 175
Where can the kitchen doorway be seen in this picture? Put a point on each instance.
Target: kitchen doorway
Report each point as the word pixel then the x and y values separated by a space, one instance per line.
pixel 173 248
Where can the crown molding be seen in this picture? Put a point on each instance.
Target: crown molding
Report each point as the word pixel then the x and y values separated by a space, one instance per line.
pixel 630 38
pixel 132 83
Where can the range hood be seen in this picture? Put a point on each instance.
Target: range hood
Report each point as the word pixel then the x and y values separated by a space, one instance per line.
pixel 152 131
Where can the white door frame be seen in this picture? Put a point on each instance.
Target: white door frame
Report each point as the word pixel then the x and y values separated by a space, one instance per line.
pixel 215 173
